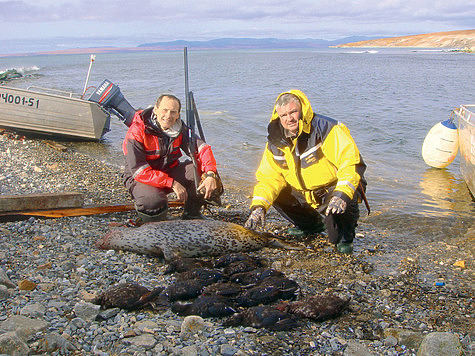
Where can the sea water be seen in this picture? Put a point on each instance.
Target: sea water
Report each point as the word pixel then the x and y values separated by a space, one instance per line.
pixel 388 98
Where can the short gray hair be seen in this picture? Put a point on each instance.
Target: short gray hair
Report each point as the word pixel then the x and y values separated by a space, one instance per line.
pixel 286 98
pixel 169 96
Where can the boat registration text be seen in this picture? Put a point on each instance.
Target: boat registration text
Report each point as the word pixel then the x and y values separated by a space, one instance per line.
pixel 20 100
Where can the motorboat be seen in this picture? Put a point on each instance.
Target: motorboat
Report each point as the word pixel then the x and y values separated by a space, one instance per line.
pixel 466 138
pixel 57 113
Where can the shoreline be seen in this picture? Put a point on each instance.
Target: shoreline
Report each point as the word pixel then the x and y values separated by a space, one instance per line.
pixel 392 310
pixel 458 39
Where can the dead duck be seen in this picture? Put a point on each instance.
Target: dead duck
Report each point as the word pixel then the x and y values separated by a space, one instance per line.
pixel 205 275
pixel 319 307
pixel 206 306
pixel 225 289
pixel 240 267
pixel 185 264
pixel 270 290
pixel 255 276
pixel 263 317
pixel 227 259
pixel 129 296
pixel 183 290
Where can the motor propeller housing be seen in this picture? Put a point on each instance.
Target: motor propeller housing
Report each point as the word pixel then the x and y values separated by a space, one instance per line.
pixel 109 96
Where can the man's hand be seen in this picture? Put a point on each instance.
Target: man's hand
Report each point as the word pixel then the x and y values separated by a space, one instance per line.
pixel 256 218
pixel 336 206
pixel 180 191
pixel 209 185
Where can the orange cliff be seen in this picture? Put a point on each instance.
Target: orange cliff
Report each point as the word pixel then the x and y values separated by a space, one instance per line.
pixel 464 39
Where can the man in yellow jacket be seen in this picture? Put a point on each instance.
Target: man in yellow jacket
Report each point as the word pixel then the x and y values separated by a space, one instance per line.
pixel 310 166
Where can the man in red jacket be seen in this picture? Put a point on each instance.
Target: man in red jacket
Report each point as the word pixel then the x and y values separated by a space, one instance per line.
pixel 152 148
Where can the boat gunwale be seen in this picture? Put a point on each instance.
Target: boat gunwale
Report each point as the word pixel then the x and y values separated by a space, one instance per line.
pixel 50 94
pixel 465 109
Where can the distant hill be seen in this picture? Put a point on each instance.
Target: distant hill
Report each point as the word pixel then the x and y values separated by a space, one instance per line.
pixel 221 43
pixel 450 39
pixel 251 43
pixel 453 39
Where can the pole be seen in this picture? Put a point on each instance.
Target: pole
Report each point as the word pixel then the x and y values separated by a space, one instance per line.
pixel 93 57
pixel 190 121
pixel 197 118
pixel 363 195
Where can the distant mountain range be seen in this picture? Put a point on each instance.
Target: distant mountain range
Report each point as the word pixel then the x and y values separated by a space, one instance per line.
pixel 253 43
pixel 452 39
pixel 448 39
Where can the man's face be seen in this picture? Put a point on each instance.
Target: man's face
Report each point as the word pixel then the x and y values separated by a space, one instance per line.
pixel 167 112
pixel 289 116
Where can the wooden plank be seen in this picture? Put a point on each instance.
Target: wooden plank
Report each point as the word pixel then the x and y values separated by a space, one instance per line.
pixel 87 210
pixel 82 211
pixel 41 201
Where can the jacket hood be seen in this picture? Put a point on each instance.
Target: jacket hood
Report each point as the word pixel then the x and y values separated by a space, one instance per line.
pixel 307 112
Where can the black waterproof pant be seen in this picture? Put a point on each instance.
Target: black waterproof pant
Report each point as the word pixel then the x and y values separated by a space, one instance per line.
pixel 292 205
pixel 151 200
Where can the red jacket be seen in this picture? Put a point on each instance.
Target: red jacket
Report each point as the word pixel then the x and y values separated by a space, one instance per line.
pixel 150 153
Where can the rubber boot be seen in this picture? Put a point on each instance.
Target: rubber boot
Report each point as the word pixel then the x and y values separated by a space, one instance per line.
pixel 298 232
pixel 345 248
pixel 191 210
pixel 191 216
pixel 146 218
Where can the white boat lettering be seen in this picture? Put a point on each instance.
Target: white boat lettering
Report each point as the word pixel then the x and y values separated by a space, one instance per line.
pixel 102 88
pixel 20 100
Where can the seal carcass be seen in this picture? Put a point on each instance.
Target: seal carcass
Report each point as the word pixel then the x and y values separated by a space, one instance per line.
pixel 188 238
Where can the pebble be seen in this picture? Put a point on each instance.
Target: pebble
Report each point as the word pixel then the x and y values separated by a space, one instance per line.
pixel 440 344
pixel 4 280
pixel 11 344
pixel 57 256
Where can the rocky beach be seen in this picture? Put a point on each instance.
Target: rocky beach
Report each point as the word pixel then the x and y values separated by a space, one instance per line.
pixel 412 301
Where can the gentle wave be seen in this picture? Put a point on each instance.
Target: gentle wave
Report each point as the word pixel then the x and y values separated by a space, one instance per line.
pixel 22 70
pixel 367 51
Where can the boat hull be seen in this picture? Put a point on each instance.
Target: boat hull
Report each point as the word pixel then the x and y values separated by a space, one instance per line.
pixel 466 130
pixel 52 114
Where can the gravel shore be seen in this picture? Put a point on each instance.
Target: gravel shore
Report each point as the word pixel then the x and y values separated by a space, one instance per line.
pixel 414 301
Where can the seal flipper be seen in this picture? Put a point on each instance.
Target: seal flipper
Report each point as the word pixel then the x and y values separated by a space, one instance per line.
pixel 169 254
pixel 277 242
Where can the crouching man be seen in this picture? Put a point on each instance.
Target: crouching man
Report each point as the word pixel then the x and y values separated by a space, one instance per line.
pixel 152 148
pixel 311 172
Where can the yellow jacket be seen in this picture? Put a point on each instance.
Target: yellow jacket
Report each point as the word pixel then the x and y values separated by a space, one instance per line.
pixel 322 155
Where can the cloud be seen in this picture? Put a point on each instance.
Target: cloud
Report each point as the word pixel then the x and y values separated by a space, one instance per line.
pixel 245 10
pixel 207 19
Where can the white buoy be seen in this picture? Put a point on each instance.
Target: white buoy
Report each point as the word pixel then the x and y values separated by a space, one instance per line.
pixel 441 144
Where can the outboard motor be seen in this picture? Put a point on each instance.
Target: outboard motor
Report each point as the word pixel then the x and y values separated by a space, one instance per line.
pixel 108 95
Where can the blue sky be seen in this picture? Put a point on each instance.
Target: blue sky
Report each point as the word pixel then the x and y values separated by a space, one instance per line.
pixel 31 25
